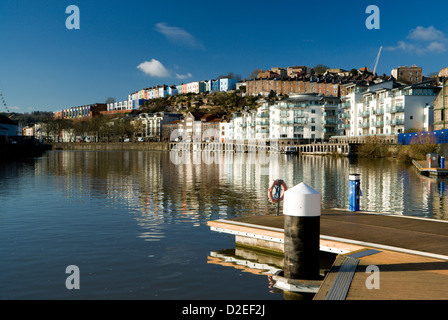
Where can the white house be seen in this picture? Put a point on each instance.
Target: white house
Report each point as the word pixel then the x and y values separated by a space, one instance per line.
pixel 116 106
pixel 151 123
pixel 227 84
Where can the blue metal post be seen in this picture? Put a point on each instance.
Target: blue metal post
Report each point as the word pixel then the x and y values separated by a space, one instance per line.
pixel 354 191
pixel 442 162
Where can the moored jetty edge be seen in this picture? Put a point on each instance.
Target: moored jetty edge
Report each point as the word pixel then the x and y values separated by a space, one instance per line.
pixel 377 256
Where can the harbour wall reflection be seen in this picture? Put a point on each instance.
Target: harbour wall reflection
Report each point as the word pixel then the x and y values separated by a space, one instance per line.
pixel 235 184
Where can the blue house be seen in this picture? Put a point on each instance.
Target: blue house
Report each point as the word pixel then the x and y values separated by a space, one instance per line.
pixel 216 87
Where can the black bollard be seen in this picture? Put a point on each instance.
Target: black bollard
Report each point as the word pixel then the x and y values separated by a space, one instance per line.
pixel 301 210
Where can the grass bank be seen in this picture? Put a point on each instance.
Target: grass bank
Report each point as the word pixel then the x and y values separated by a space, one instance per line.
pixel 401 153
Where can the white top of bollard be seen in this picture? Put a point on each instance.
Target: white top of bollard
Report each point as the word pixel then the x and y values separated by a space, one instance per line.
pixel 354 176
pixel 302 201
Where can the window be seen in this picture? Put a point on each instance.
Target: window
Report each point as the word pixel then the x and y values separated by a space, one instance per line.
pixel 313 128
pixel 411 117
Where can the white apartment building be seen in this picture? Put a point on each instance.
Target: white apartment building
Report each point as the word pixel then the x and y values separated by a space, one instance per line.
pixel 387 108
pixel 244 125
pixel 301 117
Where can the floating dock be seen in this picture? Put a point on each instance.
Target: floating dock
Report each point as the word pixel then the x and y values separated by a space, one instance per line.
pixel 422 167
pixel 410 253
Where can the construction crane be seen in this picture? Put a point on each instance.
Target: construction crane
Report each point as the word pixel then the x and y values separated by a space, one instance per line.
pixel 376 61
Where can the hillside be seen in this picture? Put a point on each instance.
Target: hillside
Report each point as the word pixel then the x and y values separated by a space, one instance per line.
pixel 223 104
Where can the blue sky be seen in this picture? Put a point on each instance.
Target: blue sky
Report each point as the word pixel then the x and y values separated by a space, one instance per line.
pixel 123 46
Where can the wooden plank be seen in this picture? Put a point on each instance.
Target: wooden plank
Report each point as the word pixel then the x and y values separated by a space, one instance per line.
pixel 401 277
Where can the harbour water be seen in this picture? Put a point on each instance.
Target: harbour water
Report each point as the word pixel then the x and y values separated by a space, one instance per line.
pixel 135 222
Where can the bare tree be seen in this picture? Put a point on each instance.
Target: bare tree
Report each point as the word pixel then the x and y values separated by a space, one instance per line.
pixel 110 100
pixel 320 68
pixel 253 75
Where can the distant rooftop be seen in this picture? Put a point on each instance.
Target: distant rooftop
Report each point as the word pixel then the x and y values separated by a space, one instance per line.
pixel 6 120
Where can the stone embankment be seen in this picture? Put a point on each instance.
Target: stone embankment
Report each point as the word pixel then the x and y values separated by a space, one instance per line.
pixel 111 146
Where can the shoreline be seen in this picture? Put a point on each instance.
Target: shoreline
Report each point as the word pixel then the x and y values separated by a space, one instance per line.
pixel 111 146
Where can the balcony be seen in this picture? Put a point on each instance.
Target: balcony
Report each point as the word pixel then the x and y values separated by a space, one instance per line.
pixel 365 124
pixel 397 122
pixel 344 115
pixel 398 108
pixel 330 122
pixel 344 126
pixel 345 105
pixel 283 122
pixel 379 123
pixel 300 122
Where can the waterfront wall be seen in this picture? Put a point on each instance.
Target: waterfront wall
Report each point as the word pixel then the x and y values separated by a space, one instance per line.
pixel 111 146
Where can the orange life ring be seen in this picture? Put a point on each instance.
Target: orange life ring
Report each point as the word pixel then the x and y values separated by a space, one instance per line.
pixel 271 189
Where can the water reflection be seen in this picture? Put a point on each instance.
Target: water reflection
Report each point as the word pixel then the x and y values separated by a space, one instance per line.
pixel 135 222
pixel 262 264
pixel 200 188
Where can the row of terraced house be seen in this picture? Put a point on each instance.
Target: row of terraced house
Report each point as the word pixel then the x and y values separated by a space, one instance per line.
pixel 138 98
pixel 316 108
